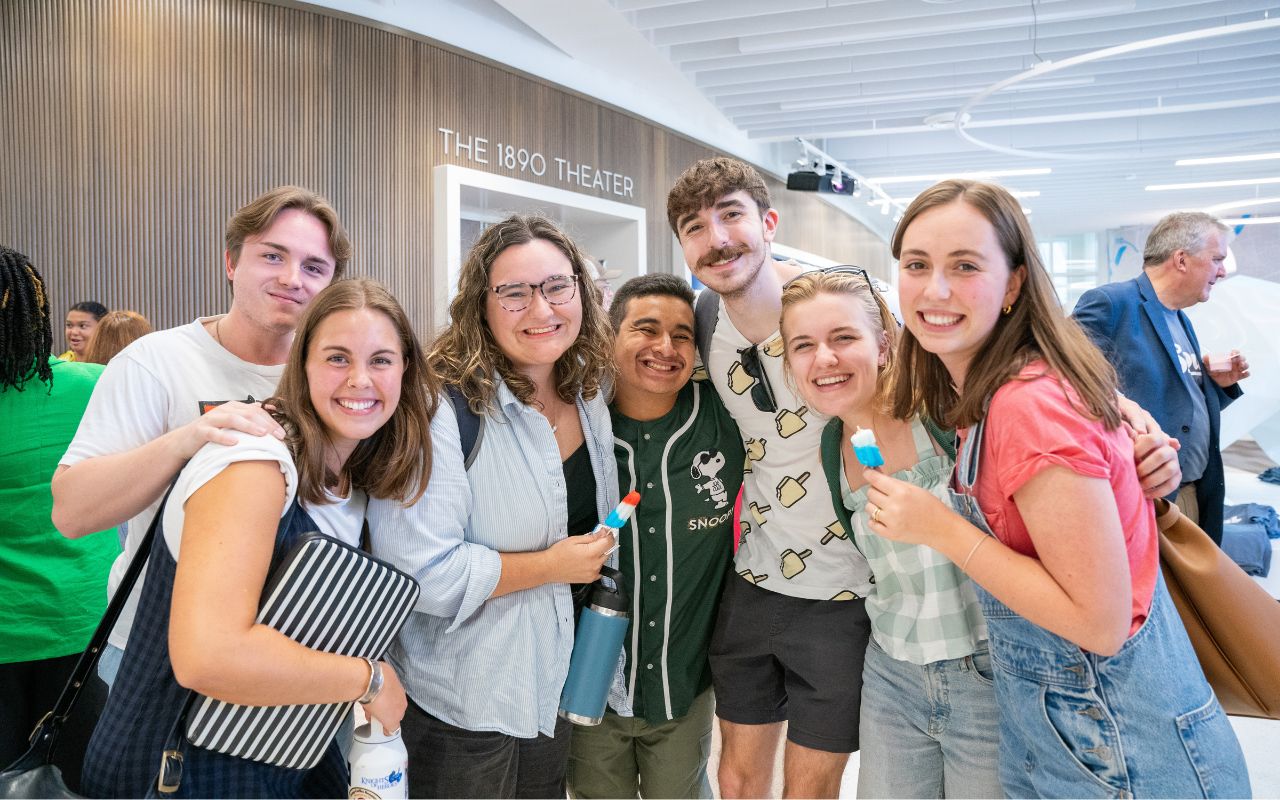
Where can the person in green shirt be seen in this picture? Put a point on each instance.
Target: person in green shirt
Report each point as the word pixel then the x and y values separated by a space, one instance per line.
pixel 52 589
pixel 678 446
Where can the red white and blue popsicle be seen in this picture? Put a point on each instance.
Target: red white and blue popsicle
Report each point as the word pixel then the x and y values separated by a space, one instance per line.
pixel 864 447
pixel 618 518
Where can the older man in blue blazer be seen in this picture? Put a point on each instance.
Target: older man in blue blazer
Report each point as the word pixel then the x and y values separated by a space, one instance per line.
pixel 1140 327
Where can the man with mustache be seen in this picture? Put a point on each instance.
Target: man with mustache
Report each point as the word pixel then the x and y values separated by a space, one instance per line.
pixel 792 631
pixel 166 395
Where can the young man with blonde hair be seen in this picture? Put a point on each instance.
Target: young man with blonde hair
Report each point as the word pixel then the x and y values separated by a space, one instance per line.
pixel 167 394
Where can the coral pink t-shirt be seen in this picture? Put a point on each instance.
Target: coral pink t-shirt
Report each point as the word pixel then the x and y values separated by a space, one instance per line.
pixel 1036 421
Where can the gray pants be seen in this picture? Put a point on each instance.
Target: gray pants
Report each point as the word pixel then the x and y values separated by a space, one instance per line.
pixel 448 761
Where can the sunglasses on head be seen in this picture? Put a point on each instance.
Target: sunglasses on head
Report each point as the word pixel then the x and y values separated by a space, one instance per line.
pixel 846 269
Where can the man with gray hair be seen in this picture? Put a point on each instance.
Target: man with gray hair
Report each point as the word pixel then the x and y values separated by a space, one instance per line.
pixel 1140 327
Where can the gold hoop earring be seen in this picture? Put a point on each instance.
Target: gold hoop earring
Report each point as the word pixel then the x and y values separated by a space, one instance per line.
pixel 1007 310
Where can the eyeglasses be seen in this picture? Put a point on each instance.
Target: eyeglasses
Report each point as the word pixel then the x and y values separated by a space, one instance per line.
pixel 761 391
pixel 556 290
pixel 839 269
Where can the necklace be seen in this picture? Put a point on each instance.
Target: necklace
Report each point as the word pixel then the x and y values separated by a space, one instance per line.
pixel 217 332
pixel 555 421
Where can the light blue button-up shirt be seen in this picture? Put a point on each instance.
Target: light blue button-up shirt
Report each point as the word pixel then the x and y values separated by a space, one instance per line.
pixel 479 662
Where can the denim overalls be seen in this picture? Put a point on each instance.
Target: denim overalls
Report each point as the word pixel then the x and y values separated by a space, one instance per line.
pixel 1141 723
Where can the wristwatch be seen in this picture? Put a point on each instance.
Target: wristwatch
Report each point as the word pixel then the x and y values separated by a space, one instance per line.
pixel 375 681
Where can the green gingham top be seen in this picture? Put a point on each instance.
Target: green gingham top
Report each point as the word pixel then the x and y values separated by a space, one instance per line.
pixel 922 607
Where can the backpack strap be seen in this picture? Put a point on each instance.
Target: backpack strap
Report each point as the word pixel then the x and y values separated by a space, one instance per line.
pixel 470 425
pixel 944 437
pixel 833 468
pixel 706 313
pixel 45 736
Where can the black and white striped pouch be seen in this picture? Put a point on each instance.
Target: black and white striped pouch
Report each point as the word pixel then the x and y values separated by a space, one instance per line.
pixel 327 596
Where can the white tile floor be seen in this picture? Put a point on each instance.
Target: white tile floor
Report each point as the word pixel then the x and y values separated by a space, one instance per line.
pixel 1259 738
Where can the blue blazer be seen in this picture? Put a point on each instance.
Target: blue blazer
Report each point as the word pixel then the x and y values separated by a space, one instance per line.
pixel 1126 321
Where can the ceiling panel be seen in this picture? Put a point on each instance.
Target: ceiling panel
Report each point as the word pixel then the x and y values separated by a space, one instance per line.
pixel 860 77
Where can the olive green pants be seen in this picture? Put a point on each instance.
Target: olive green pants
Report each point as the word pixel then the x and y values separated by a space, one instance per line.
pixel 628 757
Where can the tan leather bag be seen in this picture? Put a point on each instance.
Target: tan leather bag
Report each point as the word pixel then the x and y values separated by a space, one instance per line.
pixel 1234 625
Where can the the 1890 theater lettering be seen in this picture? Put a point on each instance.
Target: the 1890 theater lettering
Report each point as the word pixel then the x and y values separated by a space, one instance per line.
pixel 520 159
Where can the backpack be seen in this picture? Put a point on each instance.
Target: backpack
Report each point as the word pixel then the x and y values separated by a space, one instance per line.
pixel 706 313
pixel 470 425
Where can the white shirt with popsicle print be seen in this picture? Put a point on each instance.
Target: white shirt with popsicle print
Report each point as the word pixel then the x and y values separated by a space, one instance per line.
pixel 792 542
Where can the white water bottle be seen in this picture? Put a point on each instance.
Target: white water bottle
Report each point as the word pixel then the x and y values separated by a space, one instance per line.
pixel 379 764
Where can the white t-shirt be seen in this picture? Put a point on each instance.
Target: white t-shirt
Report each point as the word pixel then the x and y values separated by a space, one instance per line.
pixel 342 519
pixel 793 543
pixel 160 382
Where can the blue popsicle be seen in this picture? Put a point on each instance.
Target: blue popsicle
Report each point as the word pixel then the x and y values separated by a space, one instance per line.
pixel 864 447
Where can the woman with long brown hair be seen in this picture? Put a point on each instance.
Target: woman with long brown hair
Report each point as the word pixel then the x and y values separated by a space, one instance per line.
pixel 495 545
pixel 1099 691
pixel 355 400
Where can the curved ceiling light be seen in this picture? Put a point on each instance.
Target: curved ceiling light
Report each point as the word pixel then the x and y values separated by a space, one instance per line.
pixel 1047 67
pixel 1167 187
pixel 1256 201
pixel 1250 221
pixel 1195 162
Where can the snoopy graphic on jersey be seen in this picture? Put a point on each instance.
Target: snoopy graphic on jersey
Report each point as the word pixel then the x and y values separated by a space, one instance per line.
pixel 708 464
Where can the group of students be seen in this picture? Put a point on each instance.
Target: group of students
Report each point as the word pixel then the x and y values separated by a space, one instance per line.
pixel 983 617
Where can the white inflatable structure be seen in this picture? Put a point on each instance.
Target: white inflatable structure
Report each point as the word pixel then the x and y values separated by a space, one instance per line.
pixel 1243 313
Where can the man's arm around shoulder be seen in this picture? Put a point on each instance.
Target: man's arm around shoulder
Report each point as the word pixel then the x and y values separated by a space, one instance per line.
pixel 122 458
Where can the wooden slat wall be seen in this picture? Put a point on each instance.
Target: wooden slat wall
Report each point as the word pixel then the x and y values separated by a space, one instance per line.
pixel 134 128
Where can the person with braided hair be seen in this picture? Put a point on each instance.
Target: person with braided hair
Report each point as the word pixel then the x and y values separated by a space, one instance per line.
pixel 52 588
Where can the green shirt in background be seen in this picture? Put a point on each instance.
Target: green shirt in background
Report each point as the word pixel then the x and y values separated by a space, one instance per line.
pixel 678 548
pixel 53 590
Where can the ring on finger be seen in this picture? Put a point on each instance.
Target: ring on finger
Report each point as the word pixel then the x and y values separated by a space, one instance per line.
pixel 875 514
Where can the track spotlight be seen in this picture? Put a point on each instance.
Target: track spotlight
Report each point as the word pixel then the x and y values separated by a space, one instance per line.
pixel 822 178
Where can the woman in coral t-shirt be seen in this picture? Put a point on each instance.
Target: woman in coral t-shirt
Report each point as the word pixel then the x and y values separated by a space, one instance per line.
pixel 1099 691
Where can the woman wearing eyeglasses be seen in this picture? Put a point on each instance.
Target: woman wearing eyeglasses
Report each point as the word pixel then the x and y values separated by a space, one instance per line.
pixel 495 543
pixel 928 725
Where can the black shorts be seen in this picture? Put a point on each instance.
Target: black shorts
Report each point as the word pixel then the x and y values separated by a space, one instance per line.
pixel 775 658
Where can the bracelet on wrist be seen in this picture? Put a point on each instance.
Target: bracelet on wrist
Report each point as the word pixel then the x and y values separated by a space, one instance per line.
pixel 375 681
pixel 964 566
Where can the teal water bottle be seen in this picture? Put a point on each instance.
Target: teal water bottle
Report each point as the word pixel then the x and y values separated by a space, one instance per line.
pixel 596 647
